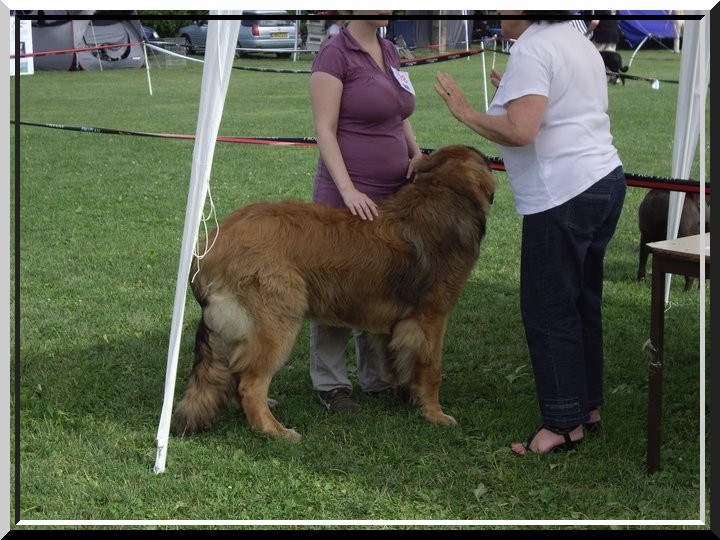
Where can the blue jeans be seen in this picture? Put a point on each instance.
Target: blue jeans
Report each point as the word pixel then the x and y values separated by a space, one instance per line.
pixel 561 282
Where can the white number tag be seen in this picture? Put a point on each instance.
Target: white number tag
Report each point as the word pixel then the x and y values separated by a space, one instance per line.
pixel 404 79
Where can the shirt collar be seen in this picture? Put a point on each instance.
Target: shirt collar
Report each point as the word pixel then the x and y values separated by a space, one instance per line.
pixel 349 39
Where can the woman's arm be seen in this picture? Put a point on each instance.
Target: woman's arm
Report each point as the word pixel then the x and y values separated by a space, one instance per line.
pixel 518 127
pixel 325 95
pixel 414 152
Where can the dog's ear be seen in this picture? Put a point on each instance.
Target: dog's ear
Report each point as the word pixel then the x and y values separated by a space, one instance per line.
pixel 464 168
pixel 443 155
pixel 446 156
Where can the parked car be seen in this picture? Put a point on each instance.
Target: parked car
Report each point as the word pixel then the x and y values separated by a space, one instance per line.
pixel 150 34
pixel 255 33
pixel 194 36
pixel 267 33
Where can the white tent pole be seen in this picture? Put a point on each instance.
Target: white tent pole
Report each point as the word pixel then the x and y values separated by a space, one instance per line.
pixel 702 96
pixel 441 46
pixel 219 56
pixel 95 42
pixel 147 68
pixel 693 76
pixel 484 70
pixel 297 36
pixel 467 35
pixel 701 99
pixel 637 49
pixel 495 45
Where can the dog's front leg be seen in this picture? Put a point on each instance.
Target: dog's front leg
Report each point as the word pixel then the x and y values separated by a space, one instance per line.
pixel 427 391
pixel 418 346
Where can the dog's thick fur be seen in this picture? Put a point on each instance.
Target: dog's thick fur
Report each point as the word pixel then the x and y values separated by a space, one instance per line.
pixel 397 277
pixel 614 64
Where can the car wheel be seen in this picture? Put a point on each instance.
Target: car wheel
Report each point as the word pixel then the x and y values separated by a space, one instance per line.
pixel 188 45
pixel 283 54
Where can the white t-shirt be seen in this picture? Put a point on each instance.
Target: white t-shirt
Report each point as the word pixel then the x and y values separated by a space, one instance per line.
pixel 573 148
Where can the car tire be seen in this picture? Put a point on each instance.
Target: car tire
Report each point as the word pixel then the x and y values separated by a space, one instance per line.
pixel 188 45
pixel 284 55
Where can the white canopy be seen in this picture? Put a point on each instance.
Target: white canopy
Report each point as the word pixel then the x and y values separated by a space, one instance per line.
pixel 219 56
pixel 690 121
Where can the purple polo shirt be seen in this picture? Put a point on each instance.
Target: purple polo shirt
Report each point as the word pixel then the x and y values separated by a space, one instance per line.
pixel 370 126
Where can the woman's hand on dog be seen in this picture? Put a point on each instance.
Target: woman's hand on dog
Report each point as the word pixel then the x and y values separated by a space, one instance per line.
pixel 412 166
pixel 359 204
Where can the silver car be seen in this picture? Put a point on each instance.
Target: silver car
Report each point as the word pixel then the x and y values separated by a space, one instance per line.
pixel 255 33
pixel 267 30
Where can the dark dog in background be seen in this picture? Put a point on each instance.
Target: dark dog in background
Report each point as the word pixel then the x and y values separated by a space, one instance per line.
pixel 614 64
pixel 652 220
pixel 398 277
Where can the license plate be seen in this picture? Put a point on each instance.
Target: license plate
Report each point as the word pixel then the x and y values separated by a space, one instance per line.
pixel 279 34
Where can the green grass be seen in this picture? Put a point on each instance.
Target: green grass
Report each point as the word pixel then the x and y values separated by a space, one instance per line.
pixel 101 219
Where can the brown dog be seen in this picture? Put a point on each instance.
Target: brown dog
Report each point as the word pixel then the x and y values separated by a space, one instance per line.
pixel 653 221
pixel 397 277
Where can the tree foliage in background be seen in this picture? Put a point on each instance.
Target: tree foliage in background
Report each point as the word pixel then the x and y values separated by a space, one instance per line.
pixel 166 23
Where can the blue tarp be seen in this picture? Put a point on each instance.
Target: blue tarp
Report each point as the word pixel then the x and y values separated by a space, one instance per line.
pixel 637 30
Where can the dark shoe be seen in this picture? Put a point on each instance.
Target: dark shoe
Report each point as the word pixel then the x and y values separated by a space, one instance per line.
pixel 564 446
pixel 337 400
pixel 400 393
pixel 389 392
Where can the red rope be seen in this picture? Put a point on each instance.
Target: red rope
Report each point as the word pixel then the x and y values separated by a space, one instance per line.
pixel 65 51
pixel 496 163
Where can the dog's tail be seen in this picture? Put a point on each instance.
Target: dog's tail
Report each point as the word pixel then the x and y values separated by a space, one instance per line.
pixel 209 390
pixel 624 68
pixel 202 342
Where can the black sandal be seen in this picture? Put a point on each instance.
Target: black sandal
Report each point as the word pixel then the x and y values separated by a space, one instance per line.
pixel 566 445
pixel 593 427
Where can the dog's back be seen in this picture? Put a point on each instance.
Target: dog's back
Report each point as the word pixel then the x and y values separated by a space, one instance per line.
pixel 337 261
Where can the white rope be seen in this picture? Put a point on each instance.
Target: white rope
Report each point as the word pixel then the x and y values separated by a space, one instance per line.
pixel 203 222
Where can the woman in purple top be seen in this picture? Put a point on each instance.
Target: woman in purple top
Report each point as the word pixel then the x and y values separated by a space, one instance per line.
pixel 361 102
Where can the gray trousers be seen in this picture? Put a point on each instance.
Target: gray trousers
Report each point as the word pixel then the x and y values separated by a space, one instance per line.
pixel 328 363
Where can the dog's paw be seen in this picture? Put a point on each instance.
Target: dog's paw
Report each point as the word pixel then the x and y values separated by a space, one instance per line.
pixel 439 418
pixel 446 420
pixel 291 434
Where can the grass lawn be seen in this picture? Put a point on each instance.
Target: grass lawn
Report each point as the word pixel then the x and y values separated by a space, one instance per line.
pixel 101 220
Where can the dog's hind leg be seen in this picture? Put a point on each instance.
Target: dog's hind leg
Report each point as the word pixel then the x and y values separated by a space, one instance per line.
pixel 418 346
pixel 644 252
pixel 269 349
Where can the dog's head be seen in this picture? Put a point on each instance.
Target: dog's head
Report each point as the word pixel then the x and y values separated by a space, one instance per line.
pixel 463 168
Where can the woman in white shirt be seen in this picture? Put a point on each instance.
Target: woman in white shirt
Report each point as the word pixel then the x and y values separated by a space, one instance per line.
pixel 549 118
